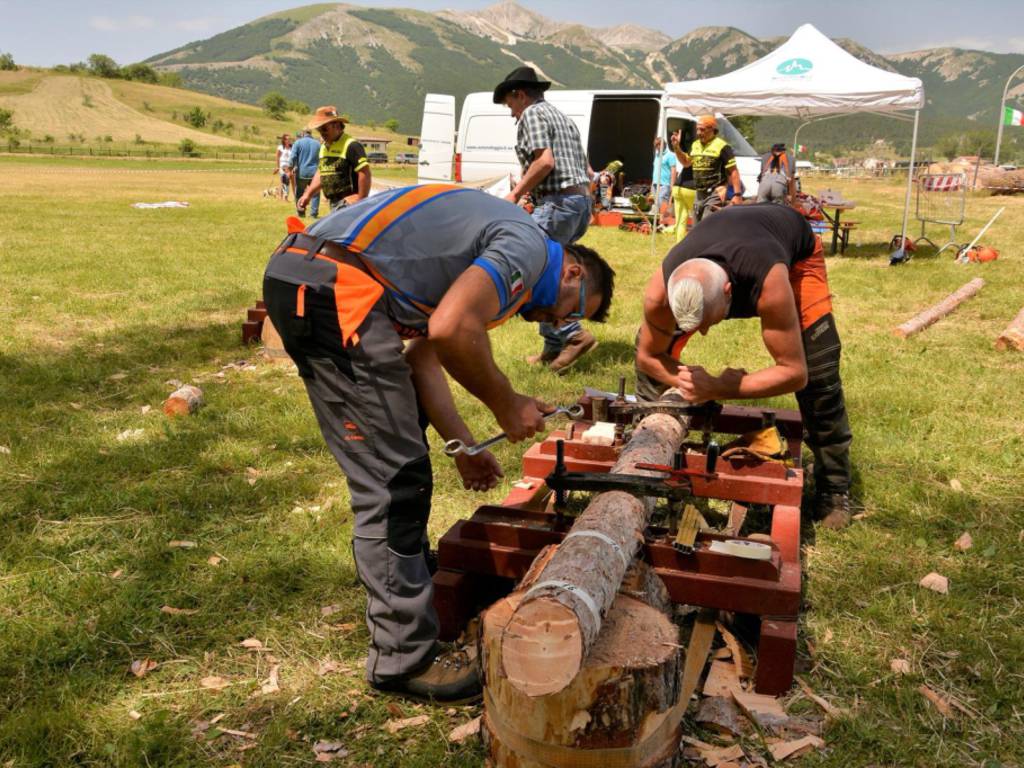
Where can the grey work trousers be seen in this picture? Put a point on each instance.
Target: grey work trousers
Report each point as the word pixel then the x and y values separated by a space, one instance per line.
pixel 366 407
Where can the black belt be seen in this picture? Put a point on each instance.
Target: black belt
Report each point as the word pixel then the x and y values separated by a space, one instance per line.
pixel 314 245
pixel 577 189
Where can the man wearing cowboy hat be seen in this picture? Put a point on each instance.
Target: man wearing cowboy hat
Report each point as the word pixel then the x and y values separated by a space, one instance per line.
pixel 555 175
pixel 343 174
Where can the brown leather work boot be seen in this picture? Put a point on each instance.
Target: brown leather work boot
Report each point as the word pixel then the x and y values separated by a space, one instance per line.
pixel 544 358
pixel 832 510
pixel 574 349
pixel 453 677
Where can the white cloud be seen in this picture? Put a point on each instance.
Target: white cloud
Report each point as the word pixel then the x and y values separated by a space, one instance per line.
pixel 126 24
pixel 200 24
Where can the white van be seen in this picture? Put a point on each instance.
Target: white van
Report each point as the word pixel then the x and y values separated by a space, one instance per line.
pixel 611 124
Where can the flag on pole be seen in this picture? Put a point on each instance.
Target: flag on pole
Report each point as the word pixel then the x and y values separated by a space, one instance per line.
pixel 1012 116
pixel 801 147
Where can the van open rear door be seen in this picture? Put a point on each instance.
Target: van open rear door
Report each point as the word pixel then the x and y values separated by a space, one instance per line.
pixel 437 138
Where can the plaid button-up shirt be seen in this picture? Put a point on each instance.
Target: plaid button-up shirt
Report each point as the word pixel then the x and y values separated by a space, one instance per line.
pixel 542 126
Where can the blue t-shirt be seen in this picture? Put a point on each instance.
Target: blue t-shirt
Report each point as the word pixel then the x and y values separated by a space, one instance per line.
pixel 663 164
pixel 306 156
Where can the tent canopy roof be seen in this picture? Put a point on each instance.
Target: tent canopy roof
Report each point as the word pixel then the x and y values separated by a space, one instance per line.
pixel 807 75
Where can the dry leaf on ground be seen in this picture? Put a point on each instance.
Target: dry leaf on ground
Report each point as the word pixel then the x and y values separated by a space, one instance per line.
pixel 941 702
pixel 141 667
pixel 964 543
pixel 394 710
pixel 146 409
pixel 214 683
pixel 252 644
pixel 329 750
pixel 271 684
pixel 215 560
pixel 117 574
pixel 346 627
pixel 134 715
pixel 5 450
pixel 170 610
pixel 129 434
pixel 181 544
pixel 464 731
pixel 787 749
pixel 935 582
pixel 830 709
pixel 239 734
pixel 956 485
pixel 394 726
pixel 900 666
pixel 329 610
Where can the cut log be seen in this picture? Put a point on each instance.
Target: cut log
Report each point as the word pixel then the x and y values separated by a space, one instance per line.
pixel 273 347
pixel 1013 336
pixel 559 619
pixel 940 310
pixel 184 401
pixel 621 710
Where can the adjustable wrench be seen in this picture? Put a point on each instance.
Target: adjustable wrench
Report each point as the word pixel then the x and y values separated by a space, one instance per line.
pixel 455 447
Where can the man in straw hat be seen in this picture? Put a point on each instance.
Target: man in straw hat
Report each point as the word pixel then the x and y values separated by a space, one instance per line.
pixel 437 265
pixel 715 175
pixel 755 261
pixel 555 175
pixel 343 174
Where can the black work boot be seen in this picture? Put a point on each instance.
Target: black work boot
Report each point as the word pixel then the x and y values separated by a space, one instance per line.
pixel 832 510
pixel 453 677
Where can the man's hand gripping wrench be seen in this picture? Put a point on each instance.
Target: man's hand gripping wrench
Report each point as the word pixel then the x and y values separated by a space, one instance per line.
pixel 455 447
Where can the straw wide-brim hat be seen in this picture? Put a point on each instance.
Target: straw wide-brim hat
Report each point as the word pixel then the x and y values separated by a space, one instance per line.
pixel 323 116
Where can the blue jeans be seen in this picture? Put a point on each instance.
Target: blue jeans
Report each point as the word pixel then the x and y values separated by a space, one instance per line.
pixel 565 219
pixel 314 203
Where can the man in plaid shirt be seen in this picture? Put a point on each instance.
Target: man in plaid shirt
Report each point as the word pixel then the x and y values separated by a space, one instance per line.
pixel 556 176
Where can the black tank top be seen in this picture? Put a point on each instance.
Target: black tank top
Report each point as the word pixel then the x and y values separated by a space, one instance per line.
pixel 747 241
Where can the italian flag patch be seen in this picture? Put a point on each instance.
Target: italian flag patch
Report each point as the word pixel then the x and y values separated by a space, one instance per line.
pixel 1012 116
pixel 517 283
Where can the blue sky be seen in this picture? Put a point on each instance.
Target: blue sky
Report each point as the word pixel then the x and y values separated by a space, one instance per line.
pixel 47 32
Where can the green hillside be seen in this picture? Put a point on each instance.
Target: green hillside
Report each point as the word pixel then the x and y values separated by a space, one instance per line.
pixel 377 64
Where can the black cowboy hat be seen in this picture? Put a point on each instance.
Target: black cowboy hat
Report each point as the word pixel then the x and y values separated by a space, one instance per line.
pixel 518 78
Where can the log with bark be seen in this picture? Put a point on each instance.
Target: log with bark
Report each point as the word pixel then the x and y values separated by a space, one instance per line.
pixel 557 621
pixel 1013 336
pixel 624 708
pixel 940 310
pixel 184 401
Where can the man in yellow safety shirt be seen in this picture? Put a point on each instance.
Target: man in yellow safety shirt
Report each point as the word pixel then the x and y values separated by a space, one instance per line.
pixel 715 175
pixel 343 174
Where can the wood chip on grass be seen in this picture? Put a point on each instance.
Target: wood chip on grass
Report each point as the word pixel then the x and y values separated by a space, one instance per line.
pixel 394 726
pixel 935 582
pixel 783 750
pixel 464 731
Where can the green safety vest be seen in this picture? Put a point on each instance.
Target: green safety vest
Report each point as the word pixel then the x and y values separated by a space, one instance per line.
pixel 337 174
pixel 708 170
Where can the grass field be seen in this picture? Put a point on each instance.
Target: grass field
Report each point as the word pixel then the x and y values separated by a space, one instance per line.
pixel 103 306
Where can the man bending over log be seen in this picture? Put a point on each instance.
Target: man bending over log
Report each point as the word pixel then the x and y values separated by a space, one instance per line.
pixel 436 265
pixel 755 261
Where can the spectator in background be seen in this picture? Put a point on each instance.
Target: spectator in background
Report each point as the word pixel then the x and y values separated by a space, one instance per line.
pixel 284 168
pixel 661 181
pixel 343 171
pixel 555 175
pixel 683 192
pixel 775 181
pixel 305 159
pixel 716 177
pixel 607 181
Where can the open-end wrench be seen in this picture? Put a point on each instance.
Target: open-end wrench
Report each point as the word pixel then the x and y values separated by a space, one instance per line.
pixel 455 447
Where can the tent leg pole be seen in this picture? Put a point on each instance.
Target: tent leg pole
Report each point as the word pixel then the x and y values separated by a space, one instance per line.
pixel 662 116
pixel 910 181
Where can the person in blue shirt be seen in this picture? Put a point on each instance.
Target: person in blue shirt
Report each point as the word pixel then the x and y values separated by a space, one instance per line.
pixel 304 162
pixel 661 174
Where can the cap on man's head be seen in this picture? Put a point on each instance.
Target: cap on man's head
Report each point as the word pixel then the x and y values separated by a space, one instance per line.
pixel 323 116
pixel 778 147
pixel 707 121
pixel 520 77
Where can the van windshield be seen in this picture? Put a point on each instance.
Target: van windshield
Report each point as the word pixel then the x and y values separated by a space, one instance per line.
pixel 735 139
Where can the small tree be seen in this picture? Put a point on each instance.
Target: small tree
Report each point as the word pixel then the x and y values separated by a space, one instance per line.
pixel 103 66
pixel 391 124
pixel 142 73
pixel 275 105
pixel 6 119
pixel 7 62
pixel 196 117
pixel 186 146
pixel 170 79
pixel 138 139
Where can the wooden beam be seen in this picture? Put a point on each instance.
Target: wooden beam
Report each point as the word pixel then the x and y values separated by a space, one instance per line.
pixel 940 310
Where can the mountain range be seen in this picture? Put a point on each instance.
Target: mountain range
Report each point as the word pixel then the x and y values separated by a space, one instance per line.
pixel 377 63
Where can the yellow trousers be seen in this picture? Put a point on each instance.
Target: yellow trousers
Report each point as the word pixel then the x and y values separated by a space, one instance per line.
pixel 683 199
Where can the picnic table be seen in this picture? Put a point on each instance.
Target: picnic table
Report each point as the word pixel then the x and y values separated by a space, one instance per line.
pixel 829 199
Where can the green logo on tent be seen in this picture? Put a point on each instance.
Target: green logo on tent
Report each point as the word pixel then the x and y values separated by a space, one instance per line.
pixel 795 67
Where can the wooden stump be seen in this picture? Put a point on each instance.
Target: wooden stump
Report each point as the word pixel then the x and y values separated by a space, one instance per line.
pixel 933 314
pixel 560 617
pixel 620 711
pixel 1013 336
pixel 184 401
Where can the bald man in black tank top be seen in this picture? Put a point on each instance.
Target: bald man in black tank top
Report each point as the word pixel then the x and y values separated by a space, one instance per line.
pixel 755 261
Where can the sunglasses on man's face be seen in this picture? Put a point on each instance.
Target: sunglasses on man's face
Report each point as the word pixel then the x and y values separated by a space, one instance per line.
pixel 580 312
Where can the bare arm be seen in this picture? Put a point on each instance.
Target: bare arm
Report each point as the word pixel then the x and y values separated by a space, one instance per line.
pixel 542 164
pixel 312 189
pixel 363 184
pixel 737 184
pixel 656 333
pixel 458 334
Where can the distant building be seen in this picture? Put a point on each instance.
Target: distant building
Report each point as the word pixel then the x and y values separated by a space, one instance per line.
pixel 374 143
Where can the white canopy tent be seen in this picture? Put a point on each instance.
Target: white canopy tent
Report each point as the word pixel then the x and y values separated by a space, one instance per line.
pixel 807 77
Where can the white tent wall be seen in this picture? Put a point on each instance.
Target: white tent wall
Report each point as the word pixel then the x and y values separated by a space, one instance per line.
pixel 807 76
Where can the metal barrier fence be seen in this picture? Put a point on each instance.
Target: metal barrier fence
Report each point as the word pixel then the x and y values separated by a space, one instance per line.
pixel 941 199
